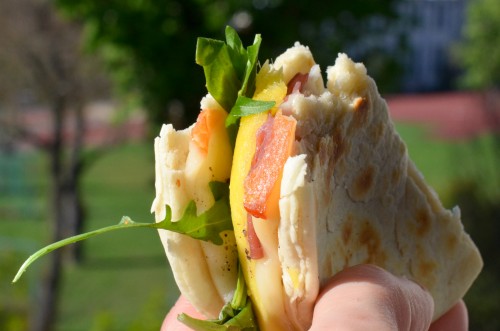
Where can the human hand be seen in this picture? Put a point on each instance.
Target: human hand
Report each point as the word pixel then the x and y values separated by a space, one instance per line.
pixel 364 297
pixel 181 306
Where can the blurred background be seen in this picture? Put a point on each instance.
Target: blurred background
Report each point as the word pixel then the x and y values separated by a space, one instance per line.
pixel 86 84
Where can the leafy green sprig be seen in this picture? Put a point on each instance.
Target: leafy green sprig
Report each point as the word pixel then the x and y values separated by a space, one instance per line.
pixel 236 315
pixel 230 74
pixel 207 226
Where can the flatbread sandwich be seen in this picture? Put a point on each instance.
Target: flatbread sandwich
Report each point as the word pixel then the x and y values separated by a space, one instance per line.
pixel 285 180
pixel 319 180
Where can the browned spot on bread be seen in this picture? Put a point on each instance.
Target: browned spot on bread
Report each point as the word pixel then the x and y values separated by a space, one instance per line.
pixel 395 175
pixel 423 222
pixel 377 132
pixel 360 111
pixel 451 242
pixel 347 230
pixel 338 145
pixel 425 267
pixel 325 150
pixel 363 183
pixel 370 238
pixel 327 267
pixel 426 270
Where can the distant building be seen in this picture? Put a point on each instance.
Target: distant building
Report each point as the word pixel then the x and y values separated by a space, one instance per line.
pixel 427 29
pixel 437 26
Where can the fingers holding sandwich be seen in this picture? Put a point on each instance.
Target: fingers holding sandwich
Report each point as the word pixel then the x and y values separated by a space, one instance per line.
pixel 181 306
pixel 363 297
pixel 456 319
pixel 366 297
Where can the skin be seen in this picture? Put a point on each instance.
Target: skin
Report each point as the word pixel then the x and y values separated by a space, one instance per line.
pixel 372 299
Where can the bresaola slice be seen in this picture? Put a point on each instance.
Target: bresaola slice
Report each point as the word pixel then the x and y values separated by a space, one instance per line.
pixel 274 144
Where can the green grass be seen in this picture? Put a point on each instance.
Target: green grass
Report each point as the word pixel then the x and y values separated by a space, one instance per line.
pixel 444 162
pixel 125 282
pixel 467 174
pixel 124 271
pixel 22 210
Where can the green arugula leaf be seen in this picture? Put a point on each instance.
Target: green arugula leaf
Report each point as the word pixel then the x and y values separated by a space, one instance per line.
pixel 248 86
pixel 206 226
pixel 243 320
pixel 230 73
pixel 246 92
pixel 237 52
pixel 246 106
pixel 221 77
pixel 236 315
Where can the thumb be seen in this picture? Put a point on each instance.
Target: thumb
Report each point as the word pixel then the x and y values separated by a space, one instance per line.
pixel 366 297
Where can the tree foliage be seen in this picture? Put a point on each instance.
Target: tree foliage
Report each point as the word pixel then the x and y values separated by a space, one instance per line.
pixel 479 212
pixel 479 52
pixel 150 44
pixel 43 54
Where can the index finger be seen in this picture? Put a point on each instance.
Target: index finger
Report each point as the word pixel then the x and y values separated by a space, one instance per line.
pixel 181 306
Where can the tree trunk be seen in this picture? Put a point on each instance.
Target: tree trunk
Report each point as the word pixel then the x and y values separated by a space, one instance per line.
pixel 44 315
pixel 71 198
pixel 67 213
pixel 46 303
pixel 49 288
pixel 72 218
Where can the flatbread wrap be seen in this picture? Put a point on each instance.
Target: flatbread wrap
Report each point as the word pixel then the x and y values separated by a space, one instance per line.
pixel 285 180
pixel 319 180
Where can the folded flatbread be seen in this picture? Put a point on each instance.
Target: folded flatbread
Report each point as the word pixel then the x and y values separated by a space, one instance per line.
pixel 204 272
pixel 364 199
pixel 349 195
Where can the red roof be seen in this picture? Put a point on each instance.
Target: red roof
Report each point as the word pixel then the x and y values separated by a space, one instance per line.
pixel 449 115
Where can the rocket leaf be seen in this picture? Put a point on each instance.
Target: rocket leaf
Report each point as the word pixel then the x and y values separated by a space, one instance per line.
pixel 230 73
pixel 236 315
pixel 206 226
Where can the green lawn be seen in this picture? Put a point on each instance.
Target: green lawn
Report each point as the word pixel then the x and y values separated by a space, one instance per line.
pixel 125 282
pixel 467 174
pixel 443 162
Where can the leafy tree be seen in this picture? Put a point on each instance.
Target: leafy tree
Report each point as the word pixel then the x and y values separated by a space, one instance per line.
pixel 43 54
pixel 328 27
pixel 150 44
pixel 479 55
pixel 149 47
pixel 479 52
pixel 479 212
